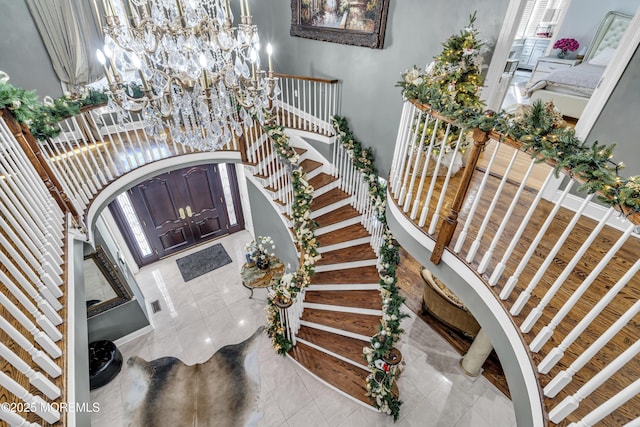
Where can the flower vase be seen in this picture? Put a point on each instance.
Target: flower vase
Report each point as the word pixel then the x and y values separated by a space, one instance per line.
pixel 563 54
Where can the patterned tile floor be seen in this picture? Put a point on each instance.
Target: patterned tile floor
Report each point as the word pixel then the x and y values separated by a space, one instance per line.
pixel 199 317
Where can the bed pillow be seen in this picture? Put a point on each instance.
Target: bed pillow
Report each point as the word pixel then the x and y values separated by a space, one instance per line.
pixel 603 57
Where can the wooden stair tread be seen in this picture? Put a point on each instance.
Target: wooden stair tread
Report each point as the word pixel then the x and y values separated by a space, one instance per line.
pixel 347 347
pixel 353 253
pixel 343 213
pixel 299 151
pixel 357 299
pixel 309 165
pixel 332 196
pixel 342 235
pixel 321 180
pixel 342 375
pixel 362 324
pixel 367 274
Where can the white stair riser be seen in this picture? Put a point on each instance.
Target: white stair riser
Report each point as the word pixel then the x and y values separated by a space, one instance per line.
pixel 335 331
pixel 325 188
pixel 342 309
pixel 337 226
pixel 330 208
pixel 346 265
pixel 342 245
pixel 345 287
pixel 337 356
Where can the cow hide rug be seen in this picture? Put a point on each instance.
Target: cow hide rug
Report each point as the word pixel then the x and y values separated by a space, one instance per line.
pixel 223 391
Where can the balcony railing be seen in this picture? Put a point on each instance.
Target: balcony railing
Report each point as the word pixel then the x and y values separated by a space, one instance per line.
pixel 564 267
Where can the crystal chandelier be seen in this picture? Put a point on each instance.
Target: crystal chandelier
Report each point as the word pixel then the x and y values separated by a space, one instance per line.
pixel 192 75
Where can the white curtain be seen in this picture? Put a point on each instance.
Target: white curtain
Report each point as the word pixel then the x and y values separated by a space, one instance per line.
pixel 71 35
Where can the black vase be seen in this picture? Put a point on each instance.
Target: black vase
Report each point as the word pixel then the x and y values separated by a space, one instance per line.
pixel 262 263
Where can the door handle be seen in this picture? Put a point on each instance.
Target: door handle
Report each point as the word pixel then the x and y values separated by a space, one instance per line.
pixel 181 213
pixel 189 211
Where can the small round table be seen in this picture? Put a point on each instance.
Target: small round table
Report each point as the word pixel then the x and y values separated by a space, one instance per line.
pixel 253 277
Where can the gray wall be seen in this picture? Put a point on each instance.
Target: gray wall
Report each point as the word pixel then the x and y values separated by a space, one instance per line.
pixel 266 222
pixel 584 16
pixel 618 123
pixel 22 53
pixel 415 32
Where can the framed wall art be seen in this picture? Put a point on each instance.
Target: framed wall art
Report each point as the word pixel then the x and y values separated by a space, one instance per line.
pixel 354 22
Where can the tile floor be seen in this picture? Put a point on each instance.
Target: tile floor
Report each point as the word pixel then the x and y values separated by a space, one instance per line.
pixel 214 310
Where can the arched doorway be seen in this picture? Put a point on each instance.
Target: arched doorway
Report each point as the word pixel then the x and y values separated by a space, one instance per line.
pixel 176 210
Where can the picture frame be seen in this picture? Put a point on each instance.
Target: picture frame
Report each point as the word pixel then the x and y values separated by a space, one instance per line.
pixel 104 285
pixel 352 22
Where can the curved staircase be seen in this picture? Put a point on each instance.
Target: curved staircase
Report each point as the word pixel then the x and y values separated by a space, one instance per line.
pixel 342 307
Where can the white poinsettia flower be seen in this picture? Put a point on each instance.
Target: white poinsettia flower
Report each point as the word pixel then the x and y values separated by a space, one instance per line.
pixel 413 77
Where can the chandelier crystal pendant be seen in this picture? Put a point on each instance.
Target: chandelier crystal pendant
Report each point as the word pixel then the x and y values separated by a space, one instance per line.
pixel 192 75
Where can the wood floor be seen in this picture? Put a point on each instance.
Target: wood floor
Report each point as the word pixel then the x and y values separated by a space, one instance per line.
pixel 622 261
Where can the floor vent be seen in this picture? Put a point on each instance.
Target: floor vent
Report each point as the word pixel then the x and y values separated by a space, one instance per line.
pixel 155 306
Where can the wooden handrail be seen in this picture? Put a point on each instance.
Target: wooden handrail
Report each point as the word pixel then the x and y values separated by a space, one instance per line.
pixel 311 79
pixel 29 145
pixel 634 217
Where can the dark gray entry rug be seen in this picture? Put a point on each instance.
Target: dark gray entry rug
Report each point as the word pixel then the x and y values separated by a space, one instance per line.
pixel 202 262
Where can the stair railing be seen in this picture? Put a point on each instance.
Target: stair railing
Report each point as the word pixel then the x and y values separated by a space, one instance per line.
pixel 506 228
pixel 353 182
pixel 32 317
pixel 307 103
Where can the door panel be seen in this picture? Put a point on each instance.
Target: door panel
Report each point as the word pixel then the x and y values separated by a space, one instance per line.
pixel 161 203
pixel 206 213
pixel 181 208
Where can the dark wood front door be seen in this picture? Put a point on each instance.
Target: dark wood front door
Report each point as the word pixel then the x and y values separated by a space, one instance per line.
pixel 179 209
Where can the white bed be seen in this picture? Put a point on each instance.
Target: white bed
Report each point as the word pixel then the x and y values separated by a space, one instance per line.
pixel 570 89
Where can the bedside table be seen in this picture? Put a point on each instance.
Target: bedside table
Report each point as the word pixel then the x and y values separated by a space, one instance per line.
pixel 549 64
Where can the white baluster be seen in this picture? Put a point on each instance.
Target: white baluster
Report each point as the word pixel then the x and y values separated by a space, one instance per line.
pixel 24 283
pixel 487 217
pixel 77 159
pixel 427 201
pixel 85 151
pixel 513 279
pixel 476 202
pixel 564 377
pixel 484 263
pixel 419 154
pixel 405 144
pixel 15 420
pixel 557 352
pixel 526 294
pixel 102 169
pixel 51 294
pixel 515 240
pixel 535 314
pixel 39 357
pixel 395 164
pixel 609 406
pixel 45 342
pixel 410 150
pixel 423 176
pixel 35 403
pixel 445 187
pixel 36 379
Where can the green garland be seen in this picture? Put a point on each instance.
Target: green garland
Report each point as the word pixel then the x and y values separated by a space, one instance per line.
pixel 43 118
pixel 290 284
pixel 451 83
pixel 543 134
pixel 380 381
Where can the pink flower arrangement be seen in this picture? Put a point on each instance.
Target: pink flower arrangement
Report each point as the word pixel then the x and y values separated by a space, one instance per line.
pixel 566 44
